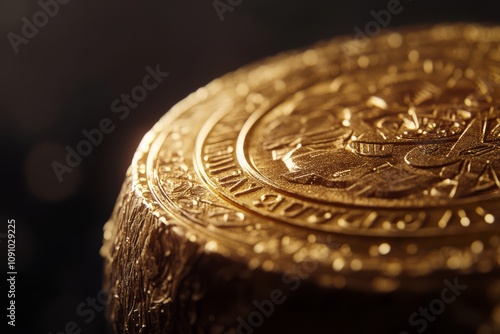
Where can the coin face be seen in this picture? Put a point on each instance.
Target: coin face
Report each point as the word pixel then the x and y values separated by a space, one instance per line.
pixel 405 139
pixel 358 161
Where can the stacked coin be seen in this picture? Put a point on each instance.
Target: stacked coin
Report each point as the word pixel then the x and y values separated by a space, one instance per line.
pixel 350 187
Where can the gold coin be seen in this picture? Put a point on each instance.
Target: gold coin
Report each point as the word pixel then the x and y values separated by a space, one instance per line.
pixel 397 146
pixel 381 167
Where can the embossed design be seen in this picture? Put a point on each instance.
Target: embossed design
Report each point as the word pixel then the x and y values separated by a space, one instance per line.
pixel 191 197
pixel 409 139
pixel 378 147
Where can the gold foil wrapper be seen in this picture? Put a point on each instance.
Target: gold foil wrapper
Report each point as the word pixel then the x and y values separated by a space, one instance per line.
pixel 345 181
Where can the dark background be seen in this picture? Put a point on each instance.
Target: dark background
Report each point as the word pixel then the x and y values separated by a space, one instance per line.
pixel 66 77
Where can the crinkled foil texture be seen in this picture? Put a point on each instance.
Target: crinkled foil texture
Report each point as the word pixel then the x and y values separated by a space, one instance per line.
pixel 160 282
pixel 146 267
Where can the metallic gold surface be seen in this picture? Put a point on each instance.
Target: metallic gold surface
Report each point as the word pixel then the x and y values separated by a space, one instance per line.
pixel 381 167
